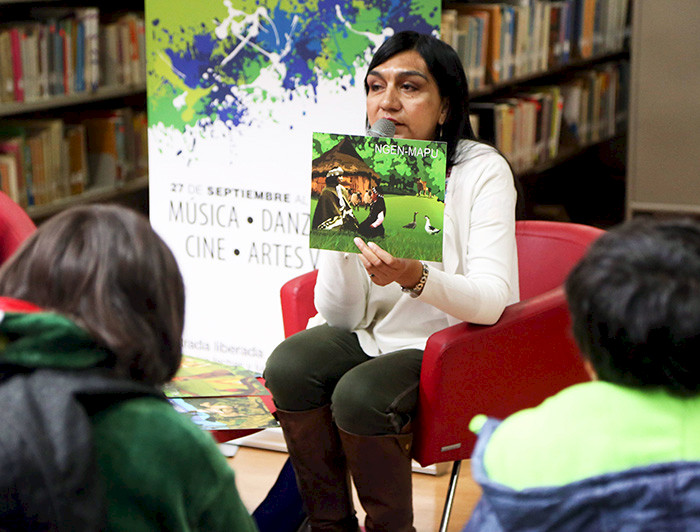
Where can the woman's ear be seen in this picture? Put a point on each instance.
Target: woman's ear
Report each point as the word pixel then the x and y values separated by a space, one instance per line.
pixel 444 108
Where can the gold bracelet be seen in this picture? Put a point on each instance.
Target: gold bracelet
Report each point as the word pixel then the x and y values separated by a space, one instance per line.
pixel 416 290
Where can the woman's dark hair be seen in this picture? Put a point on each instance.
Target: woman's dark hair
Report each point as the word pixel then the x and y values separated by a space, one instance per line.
pixel 445 66
pixel 635 305
pixel 105 268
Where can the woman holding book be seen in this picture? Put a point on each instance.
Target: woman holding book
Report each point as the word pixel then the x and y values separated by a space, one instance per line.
pixel 347 389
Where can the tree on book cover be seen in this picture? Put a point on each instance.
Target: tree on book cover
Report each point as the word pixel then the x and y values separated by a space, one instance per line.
pixel 390 191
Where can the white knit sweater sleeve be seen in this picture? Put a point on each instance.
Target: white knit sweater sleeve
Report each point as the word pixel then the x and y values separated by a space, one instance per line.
pixel 480 259
pixel 341 289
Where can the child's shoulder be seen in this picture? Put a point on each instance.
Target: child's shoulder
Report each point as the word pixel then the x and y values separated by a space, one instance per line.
pixel 590 429
pixel 152 422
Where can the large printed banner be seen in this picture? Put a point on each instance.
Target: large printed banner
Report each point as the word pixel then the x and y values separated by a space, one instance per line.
pixel 235 90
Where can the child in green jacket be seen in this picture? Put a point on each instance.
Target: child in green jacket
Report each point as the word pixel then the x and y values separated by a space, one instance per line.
pixel 621 452
pixel 96 293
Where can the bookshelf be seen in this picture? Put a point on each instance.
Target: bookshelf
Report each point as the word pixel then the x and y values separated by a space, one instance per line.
pixel 123 193
pixel 550 75
pixel 73 126
pixel 559 61
pixel 57 102
pixel 554 69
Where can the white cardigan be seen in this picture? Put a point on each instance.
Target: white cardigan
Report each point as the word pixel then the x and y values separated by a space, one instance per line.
pixel 476 280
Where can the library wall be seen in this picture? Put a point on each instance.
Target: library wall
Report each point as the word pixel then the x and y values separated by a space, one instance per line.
pixel 664 109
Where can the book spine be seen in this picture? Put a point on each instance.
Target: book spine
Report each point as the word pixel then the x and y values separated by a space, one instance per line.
pixel 28 178
pixel 64 60
pixel 56 61
pixel 44 61
pixel 8 177
pixel 6 70
pixel 92 42
pixel 18 75
pixel 134 60
pixel 122 156
pixel 109 55
pixel 80 81
pixel 30 66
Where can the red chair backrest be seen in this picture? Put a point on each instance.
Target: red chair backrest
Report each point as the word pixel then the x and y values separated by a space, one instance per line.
pixel 297 297
pixel 563 243
pixel 15 226
pixel 527 356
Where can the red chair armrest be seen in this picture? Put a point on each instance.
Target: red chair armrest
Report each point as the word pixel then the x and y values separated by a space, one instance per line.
pixel 495 370
pixel 297 297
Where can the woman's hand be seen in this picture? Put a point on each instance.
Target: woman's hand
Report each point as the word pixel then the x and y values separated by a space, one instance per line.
pixel 383 268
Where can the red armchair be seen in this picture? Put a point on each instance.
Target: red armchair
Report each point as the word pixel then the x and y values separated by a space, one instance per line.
pixel 496 370
pixel 15 226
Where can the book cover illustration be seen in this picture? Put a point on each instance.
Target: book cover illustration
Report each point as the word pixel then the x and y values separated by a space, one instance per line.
pixel 384 190
pixel 198 377
pixel 226 413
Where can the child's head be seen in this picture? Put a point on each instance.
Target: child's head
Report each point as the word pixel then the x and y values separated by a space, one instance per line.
pixel 105 268
pixel 635 305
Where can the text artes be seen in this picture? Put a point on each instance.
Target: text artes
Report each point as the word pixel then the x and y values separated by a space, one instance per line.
pixel 193 213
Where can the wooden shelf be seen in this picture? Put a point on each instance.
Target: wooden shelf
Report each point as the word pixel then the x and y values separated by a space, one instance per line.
pixel 557 72
pixel 98 195
pixel 566 153
pixel 56 102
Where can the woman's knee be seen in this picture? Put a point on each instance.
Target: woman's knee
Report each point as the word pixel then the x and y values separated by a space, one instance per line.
pixel 301 372
pixel 355 409
pixel 380 396
pixel 285 374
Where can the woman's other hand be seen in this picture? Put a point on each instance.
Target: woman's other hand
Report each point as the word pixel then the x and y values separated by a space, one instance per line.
pixel 383 268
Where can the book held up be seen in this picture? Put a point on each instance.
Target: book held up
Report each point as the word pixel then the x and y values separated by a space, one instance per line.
pixel 384 190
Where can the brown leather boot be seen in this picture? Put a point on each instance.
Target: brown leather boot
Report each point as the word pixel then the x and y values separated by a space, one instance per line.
pixel 321 471
pixel 381 471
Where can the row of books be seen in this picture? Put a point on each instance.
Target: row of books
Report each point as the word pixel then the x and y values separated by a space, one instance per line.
pixel 499 41
pixel 59 51
pixel 43 160
pixel 533 125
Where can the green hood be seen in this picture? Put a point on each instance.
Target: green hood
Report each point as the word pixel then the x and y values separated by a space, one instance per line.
pixel 46 340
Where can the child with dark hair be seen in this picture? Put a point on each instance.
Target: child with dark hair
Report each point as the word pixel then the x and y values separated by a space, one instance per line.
pixel 621 452
pixel 91 317
pixel 373 225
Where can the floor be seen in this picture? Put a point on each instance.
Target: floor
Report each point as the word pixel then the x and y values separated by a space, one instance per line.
pixel 256 471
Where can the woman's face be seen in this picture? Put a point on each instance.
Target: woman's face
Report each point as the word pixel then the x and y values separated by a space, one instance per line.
pixel 402 90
